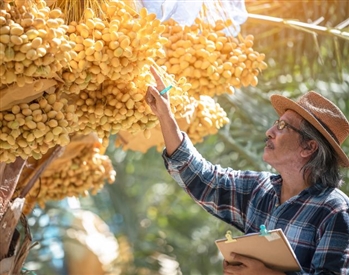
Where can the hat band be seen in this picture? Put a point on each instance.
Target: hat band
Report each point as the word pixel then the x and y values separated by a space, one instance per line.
pixel 327 129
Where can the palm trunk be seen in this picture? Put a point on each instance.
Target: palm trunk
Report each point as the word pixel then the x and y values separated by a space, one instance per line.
pixel 15 244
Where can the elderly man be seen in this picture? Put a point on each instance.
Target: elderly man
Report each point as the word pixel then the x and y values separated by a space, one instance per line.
pixel 303 199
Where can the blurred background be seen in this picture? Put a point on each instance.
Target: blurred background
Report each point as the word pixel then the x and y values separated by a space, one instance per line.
pixel 143 223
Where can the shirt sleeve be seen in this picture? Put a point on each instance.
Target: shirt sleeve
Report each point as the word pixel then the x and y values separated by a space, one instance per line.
pixel 223 192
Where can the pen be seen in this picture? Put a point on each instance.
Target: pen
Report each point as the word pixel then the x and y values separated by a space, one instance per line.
pixel 164 91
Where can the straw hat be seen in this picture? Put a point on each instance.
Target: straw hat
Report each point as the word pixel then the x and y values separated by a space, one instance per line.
pixel 326 117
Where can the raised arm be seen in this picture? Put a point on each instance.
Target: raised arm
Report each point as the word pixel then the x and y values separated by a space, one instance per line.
pixel 160 106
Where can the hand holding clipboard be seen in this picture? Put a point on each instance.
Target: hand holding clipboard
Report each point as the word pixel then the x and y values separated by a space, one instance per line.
pixel 271 247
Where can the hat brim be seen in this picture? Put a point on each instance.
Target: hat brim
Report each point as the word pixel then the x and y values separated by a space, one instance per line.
pixel 281 104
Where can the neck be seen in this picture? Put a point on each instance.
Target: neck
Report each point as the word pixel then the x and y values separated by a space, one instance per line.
pixel 292 185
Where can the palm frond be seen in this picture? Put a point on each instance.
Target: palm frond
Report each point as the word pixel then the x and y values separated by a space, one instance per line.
pixel 302 39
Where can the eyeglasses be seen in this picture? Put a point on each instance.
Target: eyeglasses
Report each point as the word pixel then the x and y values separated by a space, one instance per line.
pixel 281 124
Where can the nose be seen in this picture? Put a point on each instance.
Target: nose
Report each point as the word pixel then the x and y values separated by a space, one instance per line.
pixel 270 133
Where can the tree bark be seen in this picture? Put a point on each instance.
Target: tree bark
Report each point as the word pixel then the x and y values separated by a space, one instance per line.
pixel 9 176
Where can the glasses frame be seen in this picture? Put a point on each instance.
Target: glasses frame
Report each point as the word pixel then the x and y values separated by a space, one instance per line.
pixel 282 124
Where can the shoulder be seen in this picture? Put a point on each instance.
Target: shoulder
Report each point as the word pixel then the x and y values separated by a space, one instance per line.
pixel 337 199
pixel 332 207
pixel 259 177
pixel 254 182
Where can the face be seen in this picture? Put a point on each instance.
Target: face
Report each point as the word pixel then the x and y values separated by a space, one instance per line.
pixel 282 149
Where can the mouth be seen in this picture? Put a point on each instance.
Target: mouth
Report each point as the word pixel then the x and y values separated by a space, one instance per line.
pixel 268 144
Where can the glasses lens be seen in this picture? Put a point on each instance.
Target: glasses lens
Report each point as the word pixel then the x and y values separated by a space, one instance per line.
pixel 281 125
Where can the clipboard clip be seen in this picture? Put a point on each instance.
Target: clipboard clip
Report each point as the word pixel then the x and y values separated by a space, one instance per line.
pixel 263 230
pixel 229 237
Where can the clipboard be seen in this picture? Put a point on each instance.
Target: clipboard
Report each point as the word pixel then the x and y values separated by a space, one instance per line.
pixel 271 247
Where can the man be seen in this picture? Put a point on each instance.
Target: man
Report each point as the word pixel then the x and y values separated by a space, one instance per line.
pixel 303 199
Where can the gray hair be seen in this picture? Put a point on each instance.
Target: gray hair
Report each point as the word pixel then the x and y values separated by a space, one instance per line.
pixel 323 166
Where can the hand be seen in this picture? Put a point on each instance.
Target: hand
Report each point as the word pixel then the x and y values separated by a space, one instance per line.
pixel 159 104
pixel 248 266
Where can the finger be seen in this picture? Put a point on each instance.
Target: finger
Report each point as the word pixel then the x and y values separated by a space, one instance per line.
pixel 229 269
pixel 152 95
pixel 159 83
pixel 148 96
pixel 241 259
pixel 154 92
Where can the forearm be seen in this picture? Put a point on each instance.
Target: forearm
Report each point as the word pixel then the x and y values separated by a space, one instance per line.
pixel 171 133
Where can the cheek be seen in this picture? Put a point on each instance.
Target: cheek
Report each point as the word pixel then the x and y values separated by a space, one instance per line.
pixel 289 148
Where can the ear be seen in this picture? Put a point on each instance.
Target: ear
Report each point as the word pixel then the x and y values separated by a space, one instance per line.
pixel 310 148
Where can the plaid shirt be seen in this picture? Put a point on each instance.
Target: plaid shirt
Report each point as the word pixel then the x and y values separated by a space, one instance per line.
pixel 316 221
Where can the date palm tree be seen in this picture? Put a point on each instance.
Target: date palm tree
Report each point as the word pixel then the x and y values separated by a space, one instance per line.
pixel 306 44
